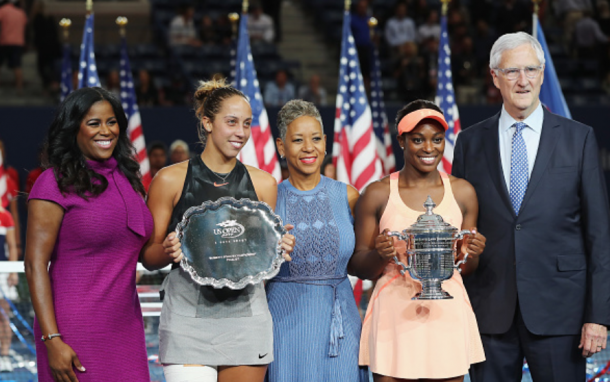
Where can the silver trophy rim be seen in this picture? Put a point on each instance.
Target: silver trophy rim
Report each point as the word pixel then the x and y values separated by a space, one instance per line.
pixel 269 273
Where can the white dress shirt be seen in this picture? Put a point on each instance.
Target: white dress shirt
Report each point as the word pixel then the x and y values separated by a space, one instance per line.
pixel 531 136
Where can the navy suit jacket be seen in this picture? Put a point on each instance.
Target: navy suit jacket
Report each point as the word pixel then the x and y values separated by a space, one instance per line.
pixel 553 259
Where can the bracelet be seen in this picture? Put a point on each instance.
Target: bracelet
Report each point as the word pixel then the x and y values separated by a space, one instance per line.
pixel 50 336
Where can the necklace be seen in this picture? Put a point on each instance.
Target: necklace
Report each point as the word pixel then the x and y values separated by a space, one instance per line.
pixel 223 178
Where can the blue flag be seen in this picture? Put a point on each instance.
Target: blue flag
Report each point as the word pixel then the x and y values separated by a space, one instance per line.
pixel 66 74
pixel 87 71
pixel 551 95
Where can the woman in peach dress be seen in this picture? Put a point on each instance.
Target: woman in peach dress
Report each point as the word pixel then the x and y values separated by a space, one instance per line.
pixel 404 339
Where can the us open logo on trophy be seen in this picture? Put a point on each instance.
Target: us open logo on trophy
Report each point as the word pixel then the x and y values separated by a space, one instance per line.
pixel 230 229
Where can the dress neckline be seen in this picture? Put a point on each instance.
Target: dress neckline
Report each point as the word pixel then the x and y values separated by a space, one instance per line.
pixel 395 190
pixel 292 188
pixel 105 166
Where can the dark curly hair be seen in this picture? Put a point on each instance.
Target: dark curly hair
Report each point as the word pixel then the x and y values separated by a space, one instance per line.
pixel 65 157
pixel 418 104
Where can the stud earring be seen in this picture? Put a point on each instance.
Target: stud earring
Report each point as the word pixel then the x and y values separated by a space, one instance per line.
pixel 325 153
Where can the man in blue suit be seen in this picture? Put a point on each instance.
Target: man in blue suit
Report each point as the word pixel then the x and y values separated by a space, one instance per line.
pixel 542 288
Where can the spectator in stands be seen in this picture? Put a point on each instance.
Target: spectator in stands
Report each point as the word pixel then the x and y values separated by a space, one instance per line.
pixel 463 62
pixel 280 91
pixel 207 31
pixel 179 151
pixel 146 92
pixel 603 16
pixel 12 192
pixel 48 47
pixel 260 26
pixel 328 169
pixel 157 156
pixel 362 37
pixel 513 16
pixel 174 94
pixel 273 9
pixel 419 10
pixel 8 281
pixel 588 36
pixel 13 21
pixel 429 54
pixel 409 72
pixel 483 41
pixel 182 28
pixel 570 11
pixel 431 28
pixel 400 28
pixel 113 83
pixel 313 92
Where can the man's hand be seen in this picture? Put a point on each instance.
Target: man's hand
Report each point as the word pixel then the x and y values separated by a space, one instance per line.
pixel 593 339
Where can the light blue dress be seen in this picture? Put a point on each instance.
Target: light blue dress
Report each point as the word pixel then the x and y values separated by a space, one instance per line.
pixel 316 324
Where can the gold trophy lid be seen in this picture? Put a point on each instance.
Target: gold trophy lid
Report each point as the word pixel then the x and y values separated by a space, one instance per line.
pixel 430 221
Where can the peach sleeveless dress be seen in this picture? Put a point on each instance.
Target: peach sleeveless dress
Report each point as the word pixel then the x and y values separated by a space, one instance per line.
pixel 403 338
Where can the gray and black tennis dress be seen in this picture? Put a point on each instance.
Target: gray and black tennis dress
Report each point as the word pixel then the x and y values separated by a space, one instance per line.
pixel 202 325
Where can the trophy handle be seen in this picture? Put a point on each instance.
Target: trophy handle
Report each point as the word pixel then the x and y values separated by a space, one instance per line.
pixel 404 238
pixel 459 236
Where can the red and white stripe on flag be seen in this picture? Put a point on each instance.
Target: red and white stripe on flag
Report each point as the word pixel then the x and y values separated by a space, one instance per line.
pixel 259 151
pixel 4 196
pixel 354 148
pixel 136 136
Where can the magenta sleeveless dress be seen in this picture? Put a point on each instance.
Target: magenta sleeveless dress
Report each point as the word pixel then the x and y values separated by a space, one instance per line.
pixel 409 339
pixel 93 278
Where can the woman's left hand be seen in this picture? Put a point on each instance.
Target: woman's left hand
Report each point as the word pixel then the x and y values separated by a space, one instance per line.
pixel 474 244
pixel 287 242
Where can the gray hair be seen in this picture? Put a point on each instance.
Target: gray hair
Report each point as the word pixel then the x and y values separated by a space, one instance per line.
pixel 295 109
pixel 179 143
pixel 511 41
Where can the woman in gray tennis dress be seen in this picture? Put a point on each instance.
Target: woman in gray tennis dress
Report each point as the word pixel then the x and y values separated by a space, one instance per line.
pixel 208 334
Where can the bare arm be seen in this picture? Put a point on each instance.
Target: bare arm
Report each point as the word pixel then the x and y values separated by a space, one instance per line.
pixel 352 197
pixel 13 207
pixel 11 242
pixel 466 198
pixel 164 193
pixel 44 220
pixel 373 250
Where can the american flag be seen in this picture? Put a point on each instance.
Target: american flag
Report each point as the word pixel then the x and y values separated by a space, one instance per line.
pixel 66 74
pixel 134 127
pixel 380 119
pixel 354 148
pixel 445 97
pixel 259 151
pixel 551 95
pixel 87 72
pixel 4 196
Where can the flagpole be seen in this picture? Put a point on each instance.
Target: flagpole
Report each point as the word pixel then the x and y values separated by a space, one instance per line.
pixel 65 25
pixel 89 7
pixel 244 6
pixel 234 18
pixel 122 21
pixel 535 18
pixel 348 4
pixel 445 7
pixel 372 24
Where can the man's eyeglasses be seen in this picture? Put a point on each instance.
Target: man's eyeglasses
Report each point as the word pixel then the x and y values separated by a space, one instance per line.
pixel 531 72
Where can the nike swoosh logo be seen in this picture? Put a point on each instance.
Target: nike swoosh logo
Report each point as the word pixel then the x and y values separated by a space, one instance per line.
pixel 262 356
pixel 221 184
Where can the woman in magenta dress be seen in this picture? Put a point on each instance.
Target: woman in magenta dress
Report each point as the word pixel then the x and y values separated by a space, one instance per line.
pixel 87 217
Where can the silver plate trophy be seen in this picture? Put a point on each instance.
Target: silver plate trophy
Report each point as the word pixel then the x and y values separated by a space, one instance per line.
pixel 431 247
pixel 231 243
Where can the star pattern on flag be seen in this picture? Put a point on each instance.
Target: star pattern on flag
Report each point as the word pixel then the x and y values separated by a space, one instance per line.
pixel 445 97
pixel 259 151
pixel 354 146
pixel 130 105
pixel 65 86
pixel 87 71
pixel 380 119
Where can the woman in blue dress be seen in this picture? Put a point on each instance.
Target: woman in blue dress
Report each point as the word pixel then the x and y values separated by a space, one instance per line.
pixel 316 325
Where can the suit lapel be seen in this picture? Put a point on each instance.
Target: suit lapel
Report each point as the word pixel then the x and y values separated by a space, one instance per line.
pixel 548 140
pixel 492 153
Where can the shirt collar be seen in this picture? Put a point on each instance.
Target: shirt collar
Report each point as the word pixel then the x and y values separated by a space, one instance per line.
pixel 534 121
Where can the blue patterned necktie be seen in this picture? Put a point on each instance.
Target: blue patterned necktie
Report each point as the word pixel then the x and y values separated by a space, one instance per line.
pixel 519 172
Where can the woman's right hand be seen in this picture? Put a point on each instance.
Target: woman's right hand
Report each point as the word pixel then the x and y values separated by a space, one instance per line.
pixel 384 245
pixel 62 361
pixel 171 246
